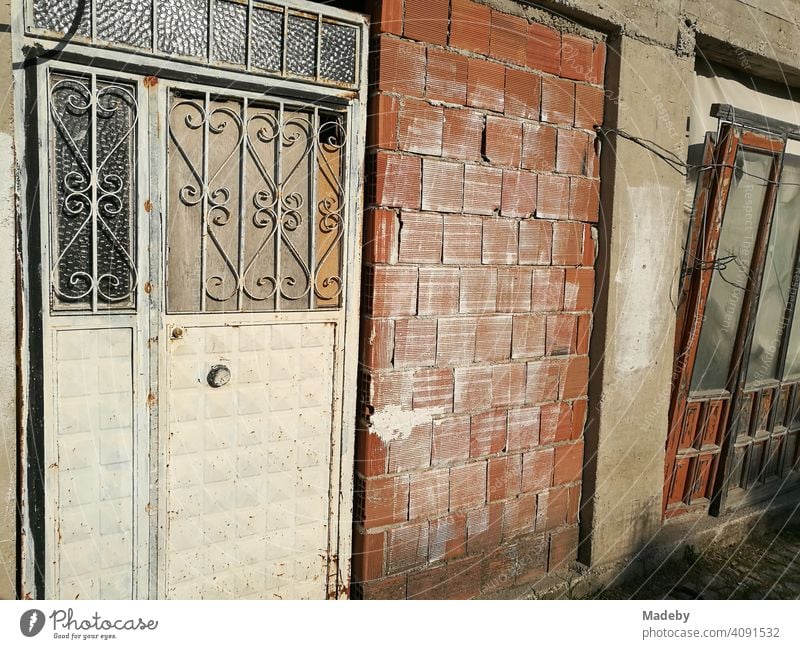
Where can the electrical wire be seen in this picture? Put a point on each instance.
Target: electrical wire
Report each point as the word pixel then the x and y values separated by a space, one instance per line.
pixel 677 164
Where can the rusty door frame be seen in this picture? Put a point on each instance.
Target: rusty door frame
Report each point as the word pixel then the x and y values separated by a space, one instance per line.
pixel 709 210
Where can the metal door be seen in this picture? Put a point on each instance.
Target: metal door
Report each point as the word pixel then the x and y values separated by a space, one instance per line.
pixel 199 248
pixel 252 339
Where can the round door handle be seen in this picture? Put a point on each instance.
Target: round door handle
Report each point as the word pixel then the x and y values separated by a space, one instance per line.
pixel 218 376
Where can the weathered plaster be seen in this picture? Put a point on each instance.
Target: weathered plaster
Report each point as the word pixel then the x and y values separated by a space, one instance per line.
pixel 8 393
pixel 632 343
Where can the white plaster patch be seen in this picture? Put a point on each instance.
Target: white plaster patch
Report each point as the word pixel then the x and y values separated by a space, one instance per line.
pixel 645 276
pixel 393 423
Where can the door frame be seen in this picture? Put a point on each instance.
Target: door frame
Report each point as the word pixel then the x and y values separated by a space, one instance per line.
pixel 29 51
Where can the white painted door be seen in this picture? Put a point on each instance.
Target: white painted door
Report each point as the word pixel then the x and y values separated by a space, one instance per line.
pixel 194 348
pixel 248 462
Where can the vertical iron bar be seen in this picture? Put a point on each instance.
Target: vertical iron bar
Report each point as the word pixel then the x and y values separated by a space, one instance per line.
pixel 210 44
pixel 285 41
pixel 93 181
pixel 154 23
pixel 319 47
pixel 249 36
pixel 242 185
pixel 345 197
pixel 312 209
pixel 278 206
pixel 93 20
pixel 204 189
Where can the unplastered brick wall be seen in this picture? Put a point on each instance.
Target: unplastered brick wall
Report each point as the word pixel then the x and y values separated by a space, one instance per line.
pixel 478 287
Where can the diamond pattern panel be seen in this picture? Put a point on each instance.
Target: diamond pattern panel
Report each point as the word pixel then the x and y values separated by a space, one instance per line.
pixel 248 463
pixel 94 456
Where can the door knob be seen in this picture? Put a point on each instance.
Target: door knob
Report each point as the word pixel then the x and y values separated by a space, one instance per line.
pixel 218 376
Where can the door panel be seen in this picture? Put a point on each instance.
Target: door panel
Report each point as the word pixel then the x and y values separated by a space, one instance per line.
pixel 248 462
pixel 94 460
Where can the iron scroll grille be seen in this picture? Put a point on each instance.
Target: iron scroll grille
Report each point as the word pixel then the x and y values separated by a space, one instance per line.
pixel 92 159
pixel 255 204
pixel 255 36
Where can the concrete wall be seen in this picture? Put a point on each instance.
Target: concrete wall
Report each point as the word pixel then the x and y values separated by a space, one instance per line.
pixel 8 391
pixel 632 345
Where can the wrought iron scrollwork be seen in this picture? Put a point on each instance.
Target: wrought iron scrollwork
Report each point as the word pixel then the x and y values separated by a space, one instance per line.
pixel 332 138
pixel 256 201
pixel 93 181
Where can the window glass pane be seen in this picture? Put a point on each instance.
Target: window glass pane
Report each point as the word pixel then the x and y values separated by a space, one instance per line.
pixel 301 48
pixel 125 21
pixel 230 31
pixel 338 59
pixel 182 27
pixel 734 253
pixel 789 205
pixel 775 285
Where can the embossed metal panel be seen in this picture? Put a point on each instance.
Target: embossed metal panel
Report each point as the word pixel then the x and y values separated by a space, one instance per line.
pixel 248 462
pixel 94 445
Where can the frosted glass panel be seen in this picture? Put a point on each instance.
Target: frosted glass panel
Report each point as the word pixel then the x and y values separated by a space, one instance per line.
pixel 267 39
pixel 777 280
pixel 125 21
pixel 301 46
pixel 734 254
pixel 60 15
pixel 183 27
pixel 338 56
pixel 230 31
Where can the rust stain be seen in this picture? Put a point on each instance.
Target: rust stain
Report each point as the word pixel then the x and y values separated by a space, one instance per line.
pixel 148 287
pixel 151 399
pixel 148 205
pixel 150 82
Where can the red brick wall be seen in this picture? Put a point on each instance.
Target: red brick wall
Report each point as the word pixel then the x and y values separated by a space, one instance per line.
pixel 482 187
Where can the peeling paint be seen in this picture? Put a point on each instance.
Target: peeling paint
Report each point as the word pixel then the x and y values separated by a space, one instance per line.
pixel 392 423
